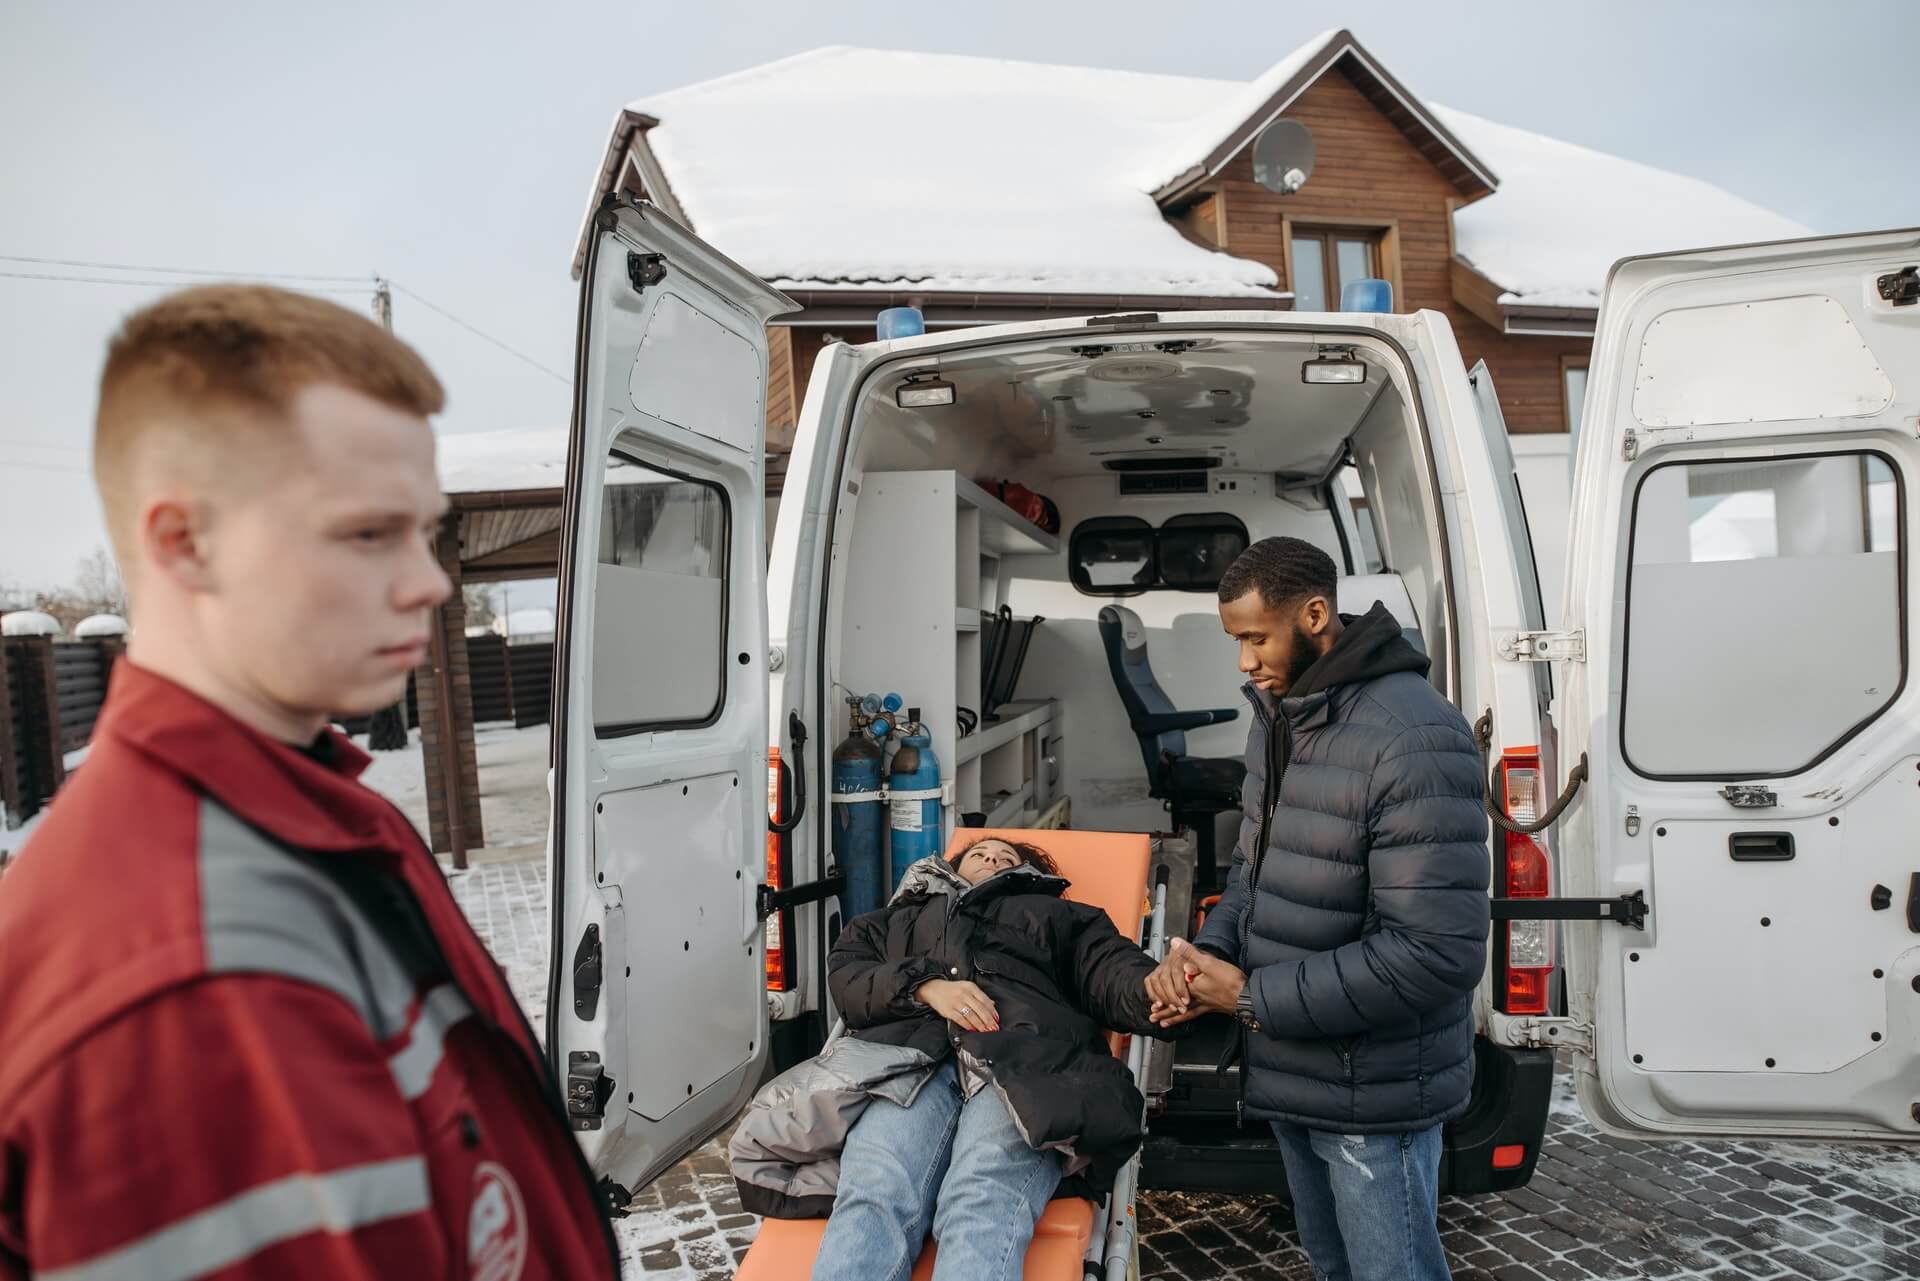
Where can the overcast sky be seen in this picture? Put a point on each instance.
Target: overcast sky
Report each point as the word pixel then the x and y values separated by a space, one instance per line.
pixel 451 147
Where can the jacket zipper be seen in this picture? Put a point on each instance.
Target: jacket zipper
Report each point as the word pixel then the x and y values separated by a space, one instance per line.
pixel 537 1069
pixel 1277 764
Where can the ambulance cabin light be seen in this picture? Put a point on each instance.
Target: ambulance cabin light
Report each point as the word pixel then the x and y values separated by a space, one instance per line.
pixel 779 924
pixel 1525 872
pixel 1334 365
pixel 923 391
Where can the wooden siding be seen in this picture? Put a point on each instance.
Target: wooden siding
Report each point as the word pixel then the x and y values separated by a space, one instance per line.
pixel 1367 173
pixel 783 404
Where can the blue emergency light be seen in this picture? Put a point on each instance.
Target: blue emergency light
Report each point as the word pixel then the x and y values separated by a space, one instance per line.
pixel 1365 294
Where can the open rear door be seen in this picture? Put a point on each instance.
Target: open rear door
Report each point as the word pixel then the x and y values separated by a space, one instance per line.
pixel 657 1019
pixel 1742 567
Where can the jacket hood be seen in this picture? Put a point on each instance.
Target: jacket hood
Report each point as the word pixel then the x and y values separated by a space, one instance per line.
pixel 1371 646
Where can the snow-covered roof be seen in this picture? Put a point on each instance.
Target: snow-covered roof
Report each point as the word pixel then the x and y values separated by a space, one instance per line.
pixel 521 458
pixel 870 169
pixel 1564 214
pixel 848 168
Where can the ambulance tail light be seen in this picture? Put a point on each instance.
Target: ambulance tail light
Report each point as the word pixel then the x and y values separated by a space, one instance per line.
pixel 779 972
pixel 1526 872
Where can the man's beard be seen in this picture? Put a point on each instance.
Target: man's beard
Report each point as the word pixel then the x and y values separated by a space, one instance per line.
pixel 1304 655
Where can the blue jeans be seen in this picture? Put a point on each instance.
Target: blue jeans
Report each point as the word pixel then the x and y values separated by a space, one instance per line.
pixel 1367 1205
pixel 957 1166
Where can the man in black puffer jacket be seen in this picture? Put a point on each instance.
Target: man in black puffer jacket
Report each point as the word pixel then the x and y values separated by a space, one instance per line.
pixel 1353 929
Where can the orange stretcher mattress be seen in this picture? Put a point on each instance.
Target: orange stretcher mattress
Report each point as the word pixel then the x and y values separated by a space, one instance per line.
pixel 1107 869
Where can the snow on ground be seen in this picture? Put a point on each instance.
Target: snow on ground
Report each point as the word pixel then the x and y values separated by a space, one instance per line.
pixel 513 782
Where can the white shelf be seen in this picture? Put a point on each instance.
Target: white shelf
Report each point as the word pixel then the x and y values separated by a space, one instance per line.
pixel 1010 807
pixel 966 620
pixel 1002 531
pixel 1015 720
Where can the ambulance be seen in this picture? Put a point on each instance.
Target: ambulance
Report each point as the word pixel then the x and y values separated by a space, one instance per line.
pixel 1704 777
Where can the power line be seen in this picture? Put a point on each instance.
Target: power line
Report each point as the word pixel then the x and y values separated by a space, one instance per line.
pixel 155 284
pixel 15 462
pixel 176 271
pixel 481 333
pixel 365 282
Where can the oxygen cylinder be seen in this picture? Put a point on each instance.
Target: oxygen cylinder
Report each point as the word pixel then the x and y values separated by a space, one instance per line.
pixel 914 783
pixel 857 810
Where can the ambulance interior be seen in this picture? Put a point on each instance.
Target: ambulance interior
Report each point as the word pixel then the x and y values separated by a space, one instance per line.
pixel 1165 457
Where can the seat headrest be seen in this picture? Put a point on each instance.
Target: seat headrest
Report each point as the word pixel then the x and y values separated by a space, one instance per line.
pixel 1133 633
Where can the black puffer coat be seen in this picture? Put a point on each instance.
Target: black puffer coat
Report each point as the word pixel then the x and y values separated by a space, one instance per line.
pixel 1359 910
pixel 1058 972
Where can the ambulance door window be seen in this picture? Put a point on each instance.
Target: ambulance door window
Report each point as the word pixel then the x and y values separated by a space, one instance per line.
pixel 660 601
pixel 1765 619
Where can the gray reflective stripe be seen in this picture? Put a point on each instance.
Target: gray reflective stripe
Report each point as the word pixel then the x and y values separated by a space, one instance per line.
pixel 414 1066
pixel 265 911
pixel 223 1235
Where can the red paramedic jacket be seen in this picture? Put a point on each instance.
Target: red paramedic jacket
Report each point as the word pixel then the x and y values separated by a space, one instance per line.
pixel 246 1032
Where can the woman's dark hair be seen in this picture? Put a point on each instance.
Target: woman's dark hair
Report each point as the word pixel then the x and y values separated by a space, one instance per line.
pixel 1030 855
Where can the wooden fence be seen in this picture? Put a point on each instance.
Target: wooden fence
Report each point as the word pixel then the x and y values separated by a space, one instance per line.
pixel 48 705
pixel 52 691
pixel 510 682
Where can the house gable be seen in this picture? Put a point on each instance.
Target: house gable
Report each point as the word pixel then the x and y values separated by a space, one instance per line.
pixel 1277 93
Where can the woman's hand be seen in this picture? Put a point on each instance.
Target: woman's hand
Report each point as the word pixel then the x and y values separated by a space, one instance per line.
pixel 960 1002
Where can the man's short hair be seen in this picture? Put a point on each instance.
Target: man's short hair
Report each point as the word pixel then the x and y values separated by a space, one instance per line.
pixel 1283 570
pixel 217 367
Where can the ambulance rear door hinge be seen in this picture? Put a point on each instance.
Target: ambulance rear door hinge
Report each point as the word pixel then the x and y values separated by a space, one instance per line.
pixel 1553 1034
pixel 1544 647
pixel 645 270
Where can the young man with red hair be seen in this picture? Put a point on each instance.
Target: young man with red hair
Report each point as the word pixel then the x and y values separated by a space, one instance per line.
pixel 248 1032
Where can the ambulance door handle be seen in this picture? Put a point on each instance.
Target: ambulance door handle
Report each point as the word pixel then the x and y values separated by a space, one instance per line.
pixel 1913 903
pixel 1760 847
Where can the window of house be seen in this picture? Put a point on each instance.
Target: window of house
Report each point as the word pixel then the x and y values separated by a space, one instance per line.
pixel 1764 613
pixel 1326 261
pixel 1573 382
pixel 660 600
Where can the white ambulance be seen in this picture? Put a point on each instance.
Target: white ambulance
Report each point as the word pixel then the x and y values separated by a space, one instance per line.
pixel 1722 926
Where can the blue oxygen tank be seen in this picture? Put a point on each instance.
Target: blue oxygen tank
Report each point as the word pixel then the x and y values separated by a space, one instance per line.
pixel 858 807
pixel 913 781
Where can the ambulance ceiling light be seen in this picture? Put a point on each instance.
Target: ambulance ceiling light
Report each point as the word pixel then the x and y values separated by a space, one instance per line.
pixel 1334 365
pixel 923 391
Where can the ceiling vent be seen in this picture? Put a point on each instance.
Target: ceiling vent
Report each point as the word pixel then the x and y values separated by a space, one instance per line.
pixel 1161 462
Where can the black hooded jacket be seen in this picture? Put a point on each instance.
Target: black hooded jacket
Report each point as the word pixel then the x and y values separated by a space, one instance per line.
pixel 1357 901
pixel 1059 974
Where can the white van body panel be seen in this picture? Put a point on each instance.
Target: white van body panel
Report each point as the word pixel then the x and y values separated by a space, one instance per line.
pixel 660 780
pixel 1740 563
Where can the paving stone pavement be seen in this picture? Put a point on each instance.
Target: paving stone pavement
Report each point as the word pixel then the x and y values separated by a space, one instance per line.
pixel 1597 1207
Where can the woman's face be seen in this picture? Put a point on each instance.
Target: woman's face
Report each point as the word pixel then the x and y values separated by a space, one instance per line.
pixel 986 858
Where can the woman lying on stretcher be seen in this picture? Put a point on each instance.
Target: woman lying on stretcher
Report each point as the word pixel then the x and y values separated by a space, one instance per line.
pixel 975 1080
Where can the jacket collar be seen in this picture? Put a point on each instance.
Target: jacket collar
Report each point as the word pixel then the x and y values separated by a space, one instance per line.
pixel 279 789
pixel 1308 712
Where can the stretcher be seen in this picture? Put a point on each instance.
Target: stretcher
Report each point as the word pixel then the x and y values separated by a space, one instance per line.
pixel 1075 1239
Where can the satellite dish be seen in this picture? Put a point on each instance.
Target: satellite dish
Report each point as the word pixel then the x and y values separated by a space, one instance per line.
pixel 1283 156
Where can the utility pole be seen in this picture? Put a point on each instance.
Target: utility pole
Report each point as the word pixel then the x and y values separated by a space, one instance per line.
pixel 383 303
pixel 388 730
pixel 439 659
